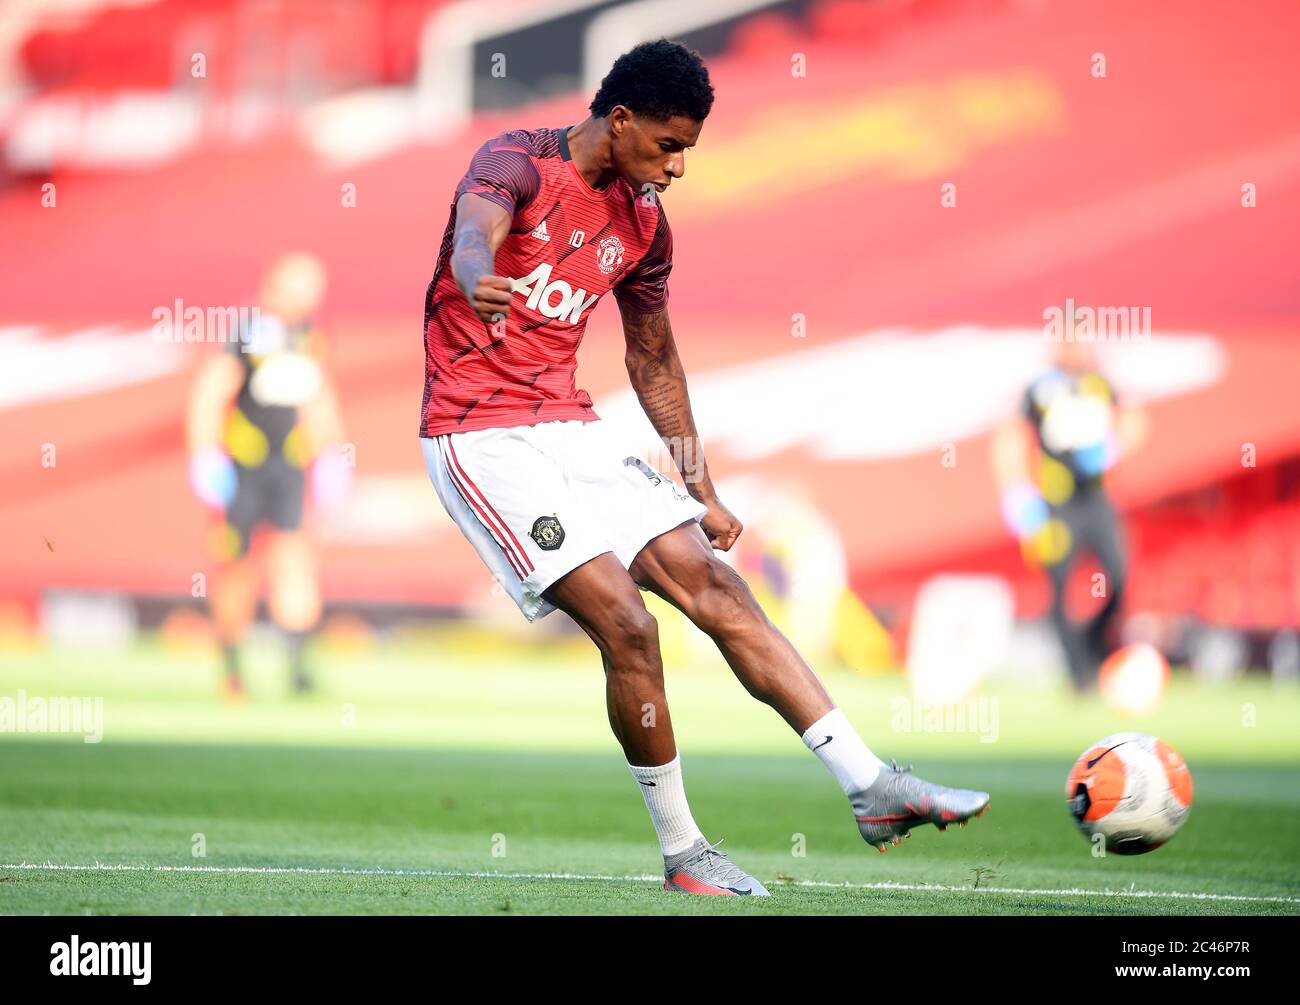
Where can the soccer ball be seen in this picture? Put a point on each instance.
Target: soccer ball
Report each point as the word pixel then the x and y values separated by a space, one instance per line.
pixel 1133 679
pixel 1132 789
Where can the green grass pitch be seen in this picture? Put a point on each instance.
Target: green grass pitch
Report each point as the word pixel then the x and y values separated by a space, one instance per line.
pixel 433 778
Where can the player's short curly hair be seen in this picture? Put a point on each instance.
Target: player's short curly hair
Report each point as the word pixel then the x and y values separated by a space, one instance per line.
pixel 657 79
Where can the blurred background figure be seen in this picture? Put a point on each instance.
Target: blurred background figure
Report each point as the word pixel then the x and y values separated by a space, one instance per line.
pixel 262 421
pixel 1049 465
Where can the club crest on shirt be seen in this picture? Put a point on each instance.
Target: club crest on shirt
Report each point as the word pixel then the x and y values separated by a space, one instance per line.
pixel 547 532
pixel 609 254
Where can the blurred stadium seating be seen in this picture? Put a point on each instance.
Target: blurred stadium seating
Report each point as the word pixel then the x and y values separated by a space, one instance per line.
pixel 816 196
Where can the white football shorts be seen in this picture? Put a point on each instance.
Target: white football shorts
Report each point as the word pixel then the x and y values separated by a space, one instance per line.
pixel 538 501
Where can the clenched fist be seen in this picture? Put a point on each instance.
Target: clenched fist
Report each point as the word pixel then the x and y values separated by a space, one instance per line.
pixel 490 298
pixel 720 526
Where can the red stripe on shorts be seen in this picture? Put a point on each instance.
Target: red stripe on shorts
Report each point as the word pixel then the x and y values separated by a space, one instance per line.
pixel 493 528
pixel 520 548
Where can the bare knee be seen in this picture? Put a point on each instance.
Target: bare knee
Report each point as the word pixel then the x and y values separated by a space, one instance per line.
pixel 725 607
pixel 630 634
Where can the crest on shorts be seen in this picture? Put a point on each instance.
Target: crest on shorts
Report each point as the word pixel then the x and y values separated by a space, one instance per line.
pixel 547 532
pixel 609 254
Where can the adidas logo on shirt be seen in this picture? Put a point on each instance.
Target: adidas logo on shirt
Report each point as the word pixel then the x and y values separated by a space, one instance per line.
pixel 540 233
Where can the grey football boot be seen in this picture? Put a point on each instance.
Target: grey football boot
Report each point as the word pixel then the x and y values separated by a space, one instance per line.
pixel 897 801
pixel 703 869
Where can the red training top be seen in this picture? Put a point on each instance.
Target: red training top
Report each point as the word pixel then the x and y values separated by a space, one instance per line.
pixel 568 245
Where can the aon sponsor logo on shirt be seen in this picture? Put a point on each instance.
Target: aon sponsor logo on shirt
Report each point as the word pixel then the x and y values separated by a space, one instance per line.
pixel 553 299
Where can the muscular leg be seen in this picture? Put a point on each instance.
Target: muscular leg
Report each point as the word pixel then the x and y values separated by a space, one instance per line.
pixel 681 567
pixel 602 598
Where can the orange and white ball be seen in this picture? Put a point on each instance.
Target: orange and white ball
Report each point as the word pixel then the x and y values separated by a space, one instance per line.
pixel 1132 789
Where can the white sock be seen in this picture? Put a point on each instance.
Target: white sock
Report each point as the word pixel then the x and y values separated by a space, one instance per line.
pixel 665 798
pixel 840 748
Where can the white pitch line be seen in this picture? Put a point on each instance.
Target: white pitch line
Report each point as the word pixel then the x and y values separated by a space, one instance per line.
pixel 644 878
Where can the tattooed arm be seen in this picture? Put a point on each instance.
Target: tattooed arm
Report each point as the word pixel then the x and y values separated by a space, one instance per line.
pixel 481 226
pixel 657 376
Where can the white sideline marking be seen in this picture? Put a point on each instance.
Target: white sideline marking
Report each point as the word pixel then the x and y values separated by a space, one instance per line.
pixel 645 878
